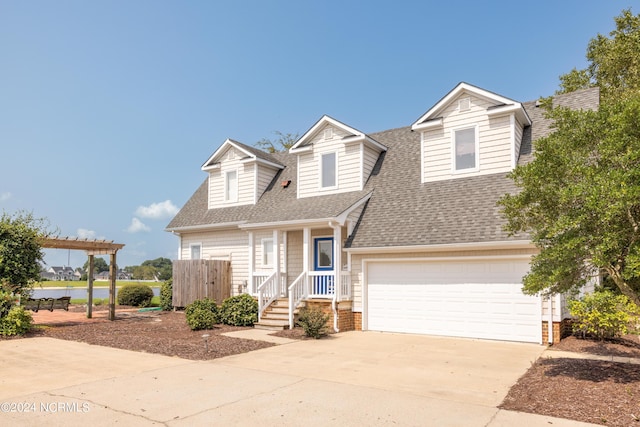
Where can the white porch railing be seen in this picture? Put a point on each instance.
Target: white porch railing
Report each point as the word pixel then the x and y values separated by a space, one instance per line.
pixel 297 292
pixel 268 292
pixel 317 284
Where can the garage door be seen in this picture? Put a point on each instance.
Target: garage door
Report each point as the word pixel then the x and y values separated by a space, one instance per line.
pixel 474 299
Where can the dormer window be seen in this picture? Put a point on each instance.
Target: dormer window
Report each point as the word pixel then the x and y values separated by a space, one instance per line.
pixel 328 170
pixel 231 186
pixel 465 149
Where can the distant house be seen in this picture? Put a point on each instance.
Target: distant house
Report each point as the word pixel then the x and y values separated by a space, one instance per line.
pixel 60 274
pixel 104 275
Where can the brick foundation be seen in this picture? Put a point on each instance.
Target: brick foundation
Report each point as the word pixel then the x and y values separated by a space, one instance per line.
pixel 346 318
pixel 560 330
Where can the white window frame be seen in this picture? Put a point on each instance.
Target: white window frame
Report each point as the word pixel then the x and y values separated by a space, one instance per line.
pixel 191 247
pixel 267 243
pixel 335 178
pixel 476 167
pixel 227 194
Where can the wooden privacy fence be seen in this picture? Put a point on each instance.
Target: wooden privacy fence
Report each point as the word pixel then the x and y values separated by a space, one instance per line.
pixel 200 278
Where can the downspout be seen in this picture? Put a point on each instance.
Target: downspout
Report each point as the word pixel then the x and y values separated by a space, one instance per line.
pixel 550 322
pixel 338 269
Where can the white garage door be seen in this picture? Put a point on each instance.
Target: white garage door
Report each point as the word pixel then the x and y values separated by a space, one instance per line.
pixel 474 299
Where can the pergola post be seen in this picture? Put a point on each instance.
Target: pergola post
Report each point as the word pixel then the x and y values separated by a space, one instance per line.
pixel 90 288
pixel 112 289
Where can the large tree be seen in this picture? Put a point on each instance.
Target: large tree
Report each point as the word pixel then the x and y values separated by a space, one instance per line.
pixel 282 142
pixel 20 251
pixel 580 197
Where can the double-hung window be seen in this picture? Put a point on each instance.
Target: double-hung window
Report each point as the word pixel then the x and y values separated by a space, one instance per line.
pixel 328 170
pixel 267 252
pixel 465 149
pixel 231 186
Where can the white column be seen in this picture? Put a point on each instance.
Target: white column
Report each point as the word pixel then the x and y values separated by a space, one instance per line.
pixel 337 258
pixel 250 289
pixel 276 256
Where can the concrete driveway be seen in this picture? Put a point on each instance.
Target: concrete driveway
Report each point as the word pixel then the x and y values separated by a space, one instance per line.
pixel 351 378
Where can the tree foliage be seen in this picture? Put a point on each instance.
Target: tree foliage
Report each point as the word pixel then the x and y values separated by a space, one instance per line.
pixel 20 251
pixel 282 142
pixel 99 265
pixel 614 61
pixel 580 197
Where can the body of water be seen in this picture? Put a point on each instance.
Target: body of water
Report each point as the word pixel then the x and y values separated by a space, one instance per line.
pixel 77 293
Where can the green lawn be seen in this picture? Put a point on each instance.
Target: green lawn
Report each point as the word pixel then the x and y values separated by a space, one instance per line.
pixel 155 301
pixel 83 284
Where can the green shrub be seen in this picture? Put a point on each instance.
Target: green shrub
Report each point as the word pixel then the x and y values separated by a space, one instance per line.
pixel 202 314
pixel 17 321
pixel 313 322
pixel 239 310
pixel 137 295
pixel 604 315
pixel 166 295
pixel 6 302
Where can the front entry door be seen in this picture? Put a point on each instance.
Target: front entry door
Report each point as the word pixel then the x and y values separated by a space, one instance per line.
pixel 323 261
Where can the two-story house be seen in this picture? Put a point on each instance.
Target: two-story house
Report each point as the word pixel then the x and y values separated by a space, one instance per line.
pixel 390 231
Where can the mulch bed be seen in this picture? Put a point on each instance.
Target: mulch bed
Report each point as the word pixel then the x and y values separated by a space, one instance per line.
pixel 159 332
pixel 598 392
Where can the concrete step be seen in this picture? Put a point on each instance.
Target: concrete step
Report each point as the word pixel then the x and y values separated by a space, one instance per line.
pixel 272 324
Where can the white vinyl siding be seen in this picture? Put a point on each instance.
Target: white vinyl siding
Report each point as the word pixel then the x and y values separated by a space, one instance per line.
pixel 245 182
pixel 264 177
pixel 370 157
pixel 494 136
pixel 294 255
pixel 225 244
pixel 348 164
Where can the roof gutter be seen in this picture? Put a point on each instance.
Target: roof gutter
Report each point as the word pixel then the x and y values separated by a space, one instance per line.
pixel 188 228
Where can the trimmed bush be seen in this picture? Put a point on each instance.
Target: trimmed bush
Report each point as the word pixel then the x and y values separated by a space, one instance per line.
pixel 239 310
pixel 137 295
pixel 603 315
pixel 166 295
pixel 202 314
pixel 313 322
pixel 17 321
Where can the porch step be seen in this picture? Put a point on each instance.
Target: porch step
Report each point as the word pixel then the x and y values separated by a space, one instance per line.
pixel 272 324
pixel 276 316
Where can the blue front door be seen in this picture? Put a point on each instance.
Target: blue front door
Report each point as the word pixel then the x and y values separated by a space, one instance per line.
pixel 323 261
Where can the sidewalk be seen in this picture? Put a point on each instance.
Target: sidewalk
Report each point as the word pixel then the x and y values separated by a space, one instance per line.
pixel 557 354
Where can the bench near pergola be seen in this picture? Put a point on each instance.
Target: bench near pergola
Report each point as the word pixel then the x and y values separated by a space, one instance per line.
pixel 92 248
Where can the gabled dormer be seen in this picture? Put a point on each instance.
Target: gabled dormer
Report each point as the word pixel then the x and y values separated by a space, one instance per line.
pixel 334 158
pixel 470 132
pixel 238 174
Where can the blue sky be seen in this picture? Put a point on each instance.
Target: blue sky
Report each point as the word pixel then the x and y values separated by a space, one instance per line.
pixel 109 108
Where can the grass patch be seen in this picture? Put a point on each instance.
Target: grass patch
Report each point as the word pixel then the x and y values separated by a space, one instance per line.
pixel 96 283
pixel 155 301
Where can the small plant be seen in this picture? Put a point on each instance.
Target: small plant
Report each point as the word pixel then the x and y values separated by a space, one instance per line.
pixel 313 322
pixel 604 315
pixel 166 295
pixel 202 314
pixel 239 310
pixel 137 295
pixel 17 321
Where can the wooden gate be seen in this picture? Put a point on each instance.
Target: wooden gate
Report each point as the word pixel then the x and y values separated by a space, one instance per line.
pixel 200 278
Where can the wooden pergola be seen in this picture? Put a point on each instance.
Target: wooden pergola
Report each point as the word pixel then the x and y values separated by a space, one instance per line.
pixel 92 248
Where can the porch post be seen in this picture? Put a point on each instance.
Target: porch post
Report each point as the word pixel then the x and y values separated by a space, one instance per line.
pixel 250 285
pixel 276 258
pixel 337 259
pixel 306 238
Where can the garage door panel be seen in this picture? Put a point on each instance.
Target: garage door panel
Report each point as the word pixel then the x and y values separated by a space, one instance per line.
pixel 458 298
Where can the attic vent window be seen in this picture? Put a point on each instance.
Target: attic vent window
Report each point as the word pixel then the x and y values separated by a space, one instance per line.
pixel 328 133
pixel 464 104
pixel 231 155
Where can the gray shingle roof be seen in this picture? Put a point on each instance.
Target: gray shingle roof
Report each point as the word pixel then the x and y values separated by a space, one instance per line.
pixel 402 211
